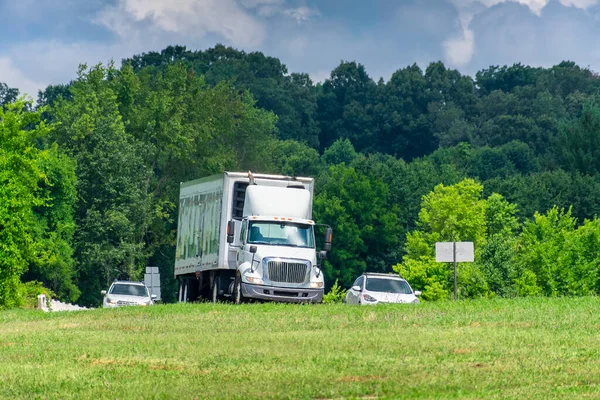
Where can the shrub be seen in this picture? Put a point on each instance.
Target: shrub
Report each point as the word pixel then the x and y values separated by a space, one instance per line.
pixel 335 295
pixel 31 290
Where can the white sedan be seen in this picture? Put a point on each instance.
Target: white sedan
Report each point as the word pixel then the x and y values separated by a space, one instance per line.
pixel 371 288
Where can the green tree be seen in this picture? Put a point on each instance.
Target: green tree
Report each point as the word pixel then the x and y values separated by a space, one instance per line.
pixel 577 145
pixel 346 107
pixel 357 208
pixel 562 259
pixel 292 97
pixel 55 226
pixel 21 177
pixel 8 95
pixel 112 211
pixel 449 213
pixel 188 129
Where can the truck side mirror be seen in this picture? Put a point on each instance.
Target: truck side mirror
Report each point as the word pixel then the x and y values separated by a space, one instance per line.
pixel 252 249
pixel 230 231
pixel 328 237
pixel 322 254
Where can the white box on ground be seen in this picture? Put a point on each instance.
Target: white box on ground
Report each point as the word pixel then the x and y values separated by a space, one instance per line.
pixel 464 252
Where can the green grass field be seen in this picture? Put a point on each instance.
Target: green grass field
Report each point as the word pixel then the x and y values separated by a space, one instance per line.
pixel 525 348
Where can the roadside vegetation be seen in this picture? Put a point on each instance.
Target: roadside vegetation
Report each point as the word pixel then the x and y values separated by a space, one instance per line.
pixel 501 348
pixel 508 159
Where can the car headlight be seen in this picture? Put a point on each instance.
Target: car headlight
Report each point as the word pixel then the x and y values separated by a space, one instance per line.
pixel 111 301
pixel 369 298
pixel 415 301
pixel 316 284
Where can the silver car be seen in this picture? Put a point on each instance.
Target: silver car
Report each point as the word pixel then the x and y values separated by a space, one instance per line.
pixel 371 288
pixel 127 293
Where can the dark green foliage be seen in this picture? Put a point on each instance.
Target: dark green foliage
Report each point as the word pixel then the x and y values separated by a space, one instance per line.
pixel 7 95
pixel 366 226
pixel 35 209
pixel 291 97
pixel 98 195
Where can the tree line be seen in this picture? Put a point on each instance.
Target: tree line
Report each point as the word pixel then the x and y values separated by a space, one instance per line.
pixel 508 158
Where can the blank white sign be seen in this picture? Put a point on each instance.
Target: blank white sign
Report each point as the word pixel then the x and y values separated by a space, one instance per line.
pixel 464 252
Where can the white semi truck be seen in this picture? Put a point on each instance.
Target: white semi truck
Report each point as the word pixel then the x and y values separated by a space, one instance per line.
pixel 249 236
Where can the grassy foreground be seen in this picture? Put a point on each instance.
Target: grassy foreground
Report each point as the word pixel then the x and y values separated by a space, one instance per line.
pixel 525 348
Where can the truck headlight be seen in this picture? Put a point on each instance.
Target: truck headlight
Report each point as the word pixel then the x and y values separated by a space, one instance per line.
pixel 256 281
pixel 316 284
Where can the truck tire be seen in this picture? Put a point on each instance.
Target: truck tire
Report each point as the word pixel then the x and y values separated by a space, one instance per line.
pixel 238 297
pixel 215 290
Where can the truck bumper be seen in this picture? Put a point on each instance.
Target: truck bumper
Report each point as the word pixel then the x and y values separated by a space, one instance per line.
pixel 291 295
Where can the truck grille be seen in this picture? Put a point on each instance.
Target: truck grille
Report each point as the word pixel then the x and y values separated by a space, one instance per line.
pixel 281 271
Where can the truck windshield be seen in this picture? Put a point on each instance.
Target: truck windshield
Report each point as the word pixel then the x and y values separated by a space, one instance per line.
pixel 281 234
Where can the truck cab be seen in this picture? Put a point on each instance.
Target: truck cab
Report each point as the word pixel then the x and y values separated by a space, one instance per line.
pixel 277 260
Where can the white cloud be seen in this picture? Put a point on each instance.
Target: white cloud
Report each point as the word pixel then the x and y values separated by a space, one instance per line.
pixel 189 18
pixel 302 14
pixel 459 50
pixel 14 77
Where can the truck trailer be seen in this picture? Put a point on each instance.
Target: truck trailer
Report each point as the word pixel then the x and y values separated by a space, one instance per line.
pixel 249 236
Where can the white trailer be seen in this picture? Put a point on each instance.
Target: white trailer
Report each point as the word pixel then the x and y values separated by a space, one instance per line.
pixel 244 235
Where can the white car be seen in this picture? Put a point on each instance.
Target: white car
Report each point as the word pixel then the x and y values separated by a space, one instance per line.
pixel 127 293
pixel 371 288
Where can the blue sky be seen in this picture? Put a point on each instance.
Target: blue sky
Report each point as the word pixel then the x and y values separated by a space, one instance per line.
pixel 43 41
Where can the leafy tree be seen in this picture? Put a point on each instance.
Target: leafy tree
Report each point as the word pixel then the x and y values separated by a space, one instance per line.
pixel 292 97
pixel 346 107
pixel 551 251
pixel 356 206
pixel 112 211
pixel 577 145
pixel 449 213
pixel 21 176
pixel 293 158
pixel 55 226
pixel 8 95
pixel 341 151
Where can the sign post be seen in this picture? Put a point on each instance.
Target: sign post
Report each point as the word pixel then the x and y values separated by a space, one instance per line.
pixel 454 252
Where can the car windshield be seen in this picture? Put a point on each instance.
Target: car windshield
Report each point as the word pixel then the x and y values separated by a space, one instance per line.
pixel 129 290
pixel 388 286
pixel 281 234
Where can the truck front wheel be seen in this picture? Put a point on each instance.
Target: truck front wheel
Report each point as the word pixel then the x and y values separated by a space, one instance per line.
pixel 238 297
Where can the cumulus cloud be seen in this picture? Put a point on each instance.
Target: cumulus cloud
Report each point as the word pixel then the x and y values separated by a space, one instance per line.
pixel 190 18
pixel 301 14
pixel 14 77
pixel 459 49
